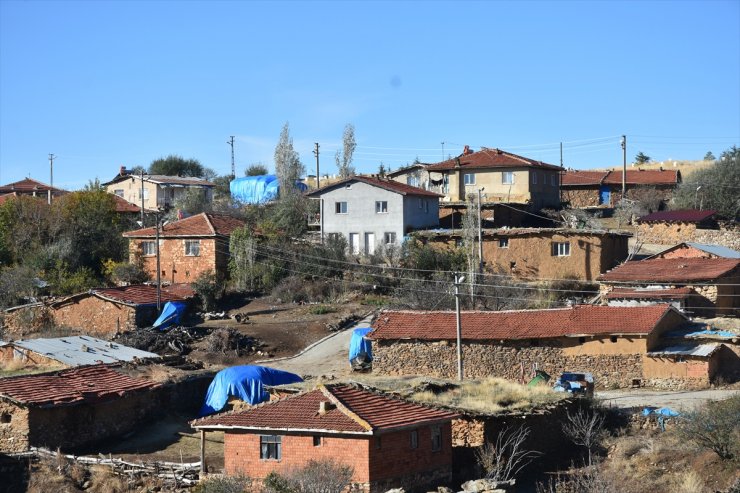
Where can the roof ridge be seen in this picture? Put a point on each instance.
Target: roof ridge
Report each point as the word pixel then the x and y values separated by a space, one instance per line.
pixel 210 225
pixel 344 409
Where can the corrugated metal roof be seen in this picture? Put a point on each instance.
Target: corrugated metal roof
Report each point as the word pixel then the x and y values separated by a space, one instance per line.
pixel 718 250
pixel 701 350
pixel 82 350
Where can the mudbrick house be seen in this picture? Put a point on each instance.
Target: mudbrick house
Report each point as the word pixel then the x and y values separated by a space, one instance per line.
pixel 101 312
pixel 70 408
pixel 604 188
pixel 713 283
pixel 613 343
pixel 545 253
pixel 187 248
pixel 387 441
pixel 671 227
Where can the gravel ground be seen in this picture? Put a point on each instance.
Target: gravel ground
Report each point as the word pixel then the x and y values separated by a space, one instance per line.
pixel 679 400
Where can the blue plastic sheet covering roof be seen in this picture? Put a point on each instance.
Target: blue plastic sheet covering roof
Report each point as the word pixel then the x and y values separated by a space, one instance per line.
pixel 245 382
pixel 358 344
pixel 170 315
pixel 258 189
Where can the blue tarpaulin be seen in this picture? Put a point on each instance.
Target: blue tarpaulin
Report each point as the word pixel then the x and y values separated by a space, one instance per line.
pixel 170 314
pixel 245 382
pixel 258 189
pixel 358 344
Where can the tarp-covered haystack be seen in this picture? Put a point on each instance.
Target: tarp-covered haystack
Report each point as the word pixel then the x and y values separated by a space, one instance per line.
pixel 360 349
pixel 258 189
pixel 245 382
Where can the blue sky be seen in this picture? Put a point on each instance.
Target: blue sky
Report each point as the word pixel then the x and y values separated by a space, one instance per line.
pixel 104 84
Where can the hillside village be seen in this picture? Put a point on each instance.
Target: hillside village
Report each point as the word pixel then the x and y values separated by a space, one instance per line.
pixel 470 324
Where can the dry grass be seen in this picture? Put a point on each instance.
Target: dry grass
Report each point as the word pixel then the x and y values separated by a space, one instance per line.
pixel 685 167
pixel 15 367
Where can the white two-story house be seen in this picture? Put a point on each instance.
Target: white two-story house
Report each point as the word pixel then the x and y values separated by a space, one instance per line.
pixel 371 211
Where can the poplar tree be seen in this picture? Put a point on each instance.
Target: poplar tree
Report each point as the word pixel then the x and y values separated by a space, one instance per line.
pixel 288 166
pixel 343 158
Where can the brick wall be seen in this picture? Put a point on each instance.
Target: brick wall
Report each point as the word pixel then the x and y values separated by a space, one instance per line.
pixel 95 316
pixel 176 267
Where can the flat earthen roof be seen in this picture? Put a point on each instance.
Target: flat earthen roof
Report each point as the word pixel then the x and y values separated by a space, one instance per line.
pixel 674 270
pixel 518 324
pixel 205 224
pixel 355 411
pixel 84 384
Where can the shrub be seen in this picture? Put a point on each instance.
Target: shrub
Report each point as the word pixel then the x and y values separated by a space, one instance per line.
pixel 317 476
pixel 224 484
pixel 716 426
pixel 209 289
pixel 321 310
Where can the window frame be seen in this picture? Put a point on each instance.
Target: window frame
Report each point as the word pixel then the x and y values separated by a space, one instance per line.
pixel 144 247
pixel 560 249
pixel 190 243
pixel 387 235
pixel 504 175
pixel 469 179
pixel 381 207
pixel 317 441
pixel 553 180
pixel 338 206
pixel 503 242
pixel 534 178
pixel 271 445
pixel 436 437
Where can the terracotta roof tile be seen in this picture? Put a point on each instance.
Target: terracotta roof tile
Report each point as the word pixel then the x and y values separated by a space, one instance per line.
pixel 645 177
pixel 390 185
pixel 357 411
pixel 123 205
pixel 673 270
pixel 143 294
pixel 84 384
pixel 490 158
pixel 677 216
pixel 518 324
pixel 650 294
pixel 203 224
pixel 28 185
pixel 574 178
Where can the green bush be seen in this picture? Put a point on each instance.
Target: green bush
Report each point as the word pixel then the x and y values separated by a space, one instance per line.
pixel 715 426
pixel 209 289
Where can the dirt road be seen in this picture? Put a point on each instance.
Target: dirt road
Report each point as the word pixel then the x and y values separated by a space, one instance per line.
pixel 329 356
pixel 678 400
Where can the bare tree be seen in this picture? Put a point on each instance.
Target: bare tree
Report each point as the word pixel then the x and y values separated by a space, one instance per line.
pixel 469 237
pixel 503 459
pixel 587 480
pixel 585 428
pixel 343 158
pixel 288 166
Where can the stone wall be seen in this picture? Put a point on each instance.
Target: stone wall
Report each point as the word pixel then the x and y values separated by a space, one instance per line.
pixel 505 360
pixel 581 197
pixel 673 233
pixel 13 427
pixel 95 316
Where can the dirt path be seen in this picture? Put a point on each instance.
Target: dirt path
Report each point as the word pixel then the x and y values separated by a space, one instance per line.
pixel 328 356
pixel 678 400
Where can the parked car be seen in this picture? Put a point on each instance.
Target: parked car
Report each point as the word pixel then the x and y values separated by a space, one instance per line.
pixel 575 383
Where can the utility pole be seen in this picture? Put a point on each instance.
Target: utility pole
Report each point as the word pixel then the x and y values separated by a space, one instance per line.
pixel 141 176
pixel 458 281
pixel 233 168
pixel 624 166
pixel 480 235
pixel 159 271
pixel 443 151
pixel 316 153
pixel 561 154
pixel 51 176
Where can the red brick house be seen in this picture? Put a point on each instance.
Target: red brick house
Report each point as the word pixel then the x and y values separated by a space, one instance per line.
pixel 188 247
pixel 31 188
pixel 715 282
pixel 387 441
pixel 604 188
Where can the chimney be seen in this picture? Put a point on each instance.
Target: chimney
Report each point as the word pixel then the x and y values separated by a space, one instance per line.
pixel 498 151
pixel 466 150
pixel 122 171
pixel 325 407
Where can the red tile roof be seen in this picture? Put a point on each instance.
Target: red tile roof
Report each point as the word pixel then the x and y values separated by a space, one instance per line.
pixel 163 180
pixel 123 205
pixel 650 294
pixel 356 411
pixel 490 158
pixel 386 184
pixel 7 196
pixel 84 384
pixel 574 177
pixel 645 177
pixel 519 324
pixel 142 294
pixel 28 185
pixel 672 270
pixel 677 216
pixel 203 224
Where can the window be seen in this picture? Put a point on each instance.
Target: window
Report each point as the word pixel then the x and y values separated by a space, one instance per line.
pixel 146 194
pixel 507 177
pixel 561 249
pixel 316 441
pixel 503 243
pixel 5 418
pixel 340 207
pixel 148 248
pixel 469 178
pixel 192 248
pixel 271 447
pixel 412 180
pixel 613 338
pixel 381 206
pixel 378 443
pixel 119 192
pixel 436 438
pixel 414 439
pixel 389 238
pixel 421 203
pixel 426 205
pixel 334 236
pixel 554 180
